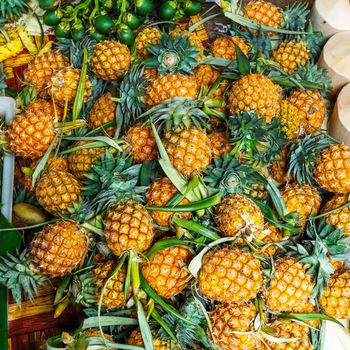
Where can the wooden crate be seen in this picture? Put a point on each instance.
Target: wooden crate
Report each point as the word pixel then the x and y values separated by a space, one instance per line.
pixel 33 324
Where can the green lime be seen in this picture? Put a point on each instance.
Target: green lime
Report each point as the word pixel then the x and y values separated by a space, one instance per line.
pixel 144 7
pixel 191 8
pixel 62 30
pixel 48 4
pixel 52 17
pixel 95 35
pixel 167 10
pixel 125 35
pixel 78 34
pixel 103 24
pixel 132 20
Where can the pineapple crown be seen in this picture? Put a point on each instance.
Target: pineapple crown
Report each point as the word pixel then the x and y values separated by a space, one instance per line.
pixel 131 92
pixel 295 18
pixel 173 55
pixel 254 140
pixel 13 9
pixel 18 275
pixel 111 179
pixel 230 176
pixel 83 288
pixel 178 111
pixel 324 242
pixel 303 155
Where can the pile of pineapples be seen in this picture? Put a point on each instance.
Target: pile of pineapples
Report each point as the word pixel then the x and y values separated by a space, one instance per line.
pixel 189 195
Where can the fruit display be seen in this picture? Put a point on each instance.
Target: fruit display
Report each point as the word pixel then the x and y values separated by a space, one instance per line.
pixel 181 194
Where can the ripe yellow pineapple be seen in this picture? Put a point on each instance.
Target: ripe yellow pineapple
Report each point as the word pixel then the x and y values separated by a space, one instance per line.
pixel 311 107
pixel 167 272
pixel 204 74
pixel 224 47
pixel 64 84
pixel 271 235
pixel 279 167
pixel 103 111
pixel 40 70
pixel 219 143
pixel 237 215
pixel 305 200
pixel 57 191
pixel 81 161
pixel 142 143
pixel 30 134
pixel 110 60
pixel 265 13
pixel 332 169
pixel 298 333
pixel 43 107
pixel 290 54
pixel 147 35
pixel 159 193
pixel 189 149
pixel 193 38
pixel 230 275
pixel 135 339
pixel 340 218
pixel 291 121
pixel 290 287
pixel 166 86
pixel 113 296
pixel 128 226
pixel 335 300
pixel 59 248
pixel 231 325
pixel 255 92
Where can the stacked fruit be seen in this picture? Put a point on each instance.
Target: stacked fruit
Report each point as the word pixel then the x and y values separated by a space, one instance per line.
pixel 111 17
pixel 194 199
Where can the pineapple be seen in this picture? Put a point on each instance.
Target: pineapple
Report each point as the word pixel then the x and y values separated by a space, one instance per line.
pixel 167 86
pixel 286 329
pixel 255 92
pixel 30 134
pixel 193 38
pixel 43 107
pixel 205 75
pixel 64 84
pixel 103 111
pixel 291 54
pixel 290 287
pixel 302 199
pixel 147 35
pixel 81 160
pixel 128 226
pixel 167 272
pixel 110 60
pixel 41 69
pixel 237 215
pixel 57 191
pixel 290 120
pixel 219 94
pixel 142 143
pixel 265 13
pixel 335 300
pixel 135 339
pixel 278 168
pixel 341 217
pixel 189 149
pixel 230 275
pixel 232 326
pixel 311 107
pixel 224 47
pixel 113 296
pixel 332 169
pixel 58 248
pixel 219 143
pixel 271 235
pixel 159 193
